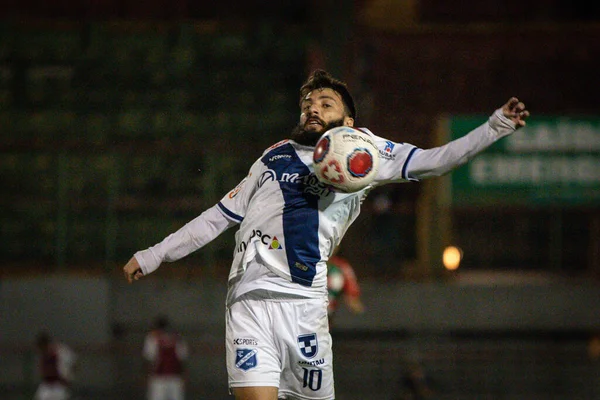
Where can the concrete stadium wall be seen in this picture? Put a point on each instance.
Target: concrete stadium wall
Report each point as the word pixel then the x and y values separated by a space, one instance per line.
pixel 74 309
pixel 439 307
pixel 83 310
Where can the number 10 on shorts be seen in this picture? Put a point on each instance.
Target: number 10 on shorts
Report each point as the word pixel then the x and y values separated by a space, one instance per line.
pixel 312 378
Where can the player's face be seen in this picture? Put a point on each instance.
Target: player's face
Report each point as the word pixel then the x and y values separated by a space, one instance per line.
pixel 321 107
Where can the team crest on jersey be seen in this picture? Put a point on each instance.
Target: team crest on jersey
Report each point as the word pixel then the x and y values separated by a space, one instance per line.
pixel 245 359
pixel 308 345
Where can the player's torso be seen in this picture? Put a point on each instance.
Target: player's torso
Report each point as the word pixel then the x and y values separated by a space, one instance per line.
pixel 293 221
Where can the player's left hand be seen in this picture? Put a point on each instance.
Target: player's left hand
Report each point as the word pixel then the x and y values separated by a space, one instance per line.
pixel 516 111
pixel 132 270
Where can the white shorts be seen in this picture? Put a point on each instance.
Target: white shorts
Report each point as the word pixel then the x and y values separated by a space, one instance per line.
pixel 166 388
pixel 52 391
pixel 283 343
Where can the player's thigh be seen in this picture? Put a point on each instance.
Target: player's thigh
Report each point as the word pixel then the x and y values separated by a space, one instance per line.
pixel 253 359
pixel 255 393
pixel 308 363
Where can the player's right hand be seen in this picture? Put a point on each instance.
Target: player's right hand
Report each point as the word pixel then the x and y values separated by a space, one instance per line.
pixel 132 270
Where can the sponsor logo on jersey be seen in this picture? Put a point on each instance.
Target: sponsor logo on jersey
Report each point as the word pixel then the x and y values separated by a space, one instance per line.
pixel 315 187
pixel 301 267
pixel 245 342
pixel 267 176
pixel 314 363
pixel 308 345
pixel 310 183
pixel 271 242
pixel 239 187
pixel 275 245
pixel 245 359
pixel 389 146
pixel 387 151
pixel 280 157
pixel 354 136
pixel 291 178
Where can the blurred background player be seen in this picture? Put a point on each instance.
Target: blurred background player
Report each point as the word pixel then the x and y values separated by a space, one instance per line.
pixel 56 365
pixel 165 353
pixel 342 283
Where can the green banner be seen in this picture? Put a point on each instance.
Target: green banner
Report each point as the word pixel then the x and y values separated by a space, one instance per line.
pixel 551 161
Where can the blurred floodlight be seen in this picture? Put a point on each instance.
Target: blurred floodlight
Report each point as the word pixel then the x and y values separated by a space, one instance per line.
pixel 451 257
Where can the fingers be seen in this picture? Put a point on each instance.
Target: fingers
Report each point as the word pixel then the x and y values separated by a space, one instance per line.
pixel 128 275
pixel 516 111
pixel 135 275
pixel 514 106
pixel 138 274
pixel 132 270
pixel 512 102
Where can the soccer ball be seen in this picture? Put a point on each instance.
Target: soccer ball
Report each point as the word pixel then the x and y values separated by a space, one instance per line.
pixel 346 159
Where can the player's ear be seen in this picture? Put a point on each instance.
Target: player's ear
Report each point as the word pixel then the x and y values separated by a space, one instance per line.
pixel 349 121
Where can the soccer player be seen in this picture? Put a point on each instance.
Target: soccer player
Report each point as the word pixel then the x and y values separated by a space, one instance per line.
pixel 165 353
pixel 278 343
pixel 342 284
pixel 56 366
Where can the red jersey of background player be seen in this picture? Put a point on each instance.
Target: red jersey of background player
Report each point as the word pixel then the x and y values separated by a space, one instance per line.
pixel 49 366
pixel 342 282
pixel 55 361
pixel 167 362
pixel 165 351
pixel 56 367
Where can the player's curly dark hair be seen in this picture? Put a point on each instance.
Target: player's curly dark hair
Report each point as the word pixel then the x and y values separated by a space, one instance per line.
pixel 320 79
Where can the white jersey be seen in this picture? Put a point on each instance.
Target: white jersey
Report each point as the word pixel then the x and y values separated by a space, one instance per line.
pixel 289 222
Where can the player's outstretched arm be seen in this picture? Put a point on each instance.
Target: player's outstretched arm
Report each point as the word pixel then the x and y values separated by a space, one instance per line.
pixel 132 270
pixel 443 159
pixel 189 238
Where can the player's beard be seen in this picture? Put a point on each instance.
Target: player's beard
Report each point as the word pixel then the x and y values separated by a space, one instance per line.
pixel 310 138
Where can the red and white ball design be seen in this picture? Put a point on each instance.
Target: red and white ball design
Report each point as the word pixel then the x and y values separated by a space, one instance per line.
pixel 346 159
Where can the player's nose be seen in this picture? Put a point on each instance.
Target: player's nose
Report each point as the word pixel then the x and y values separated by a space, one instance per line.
pixel 313 110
